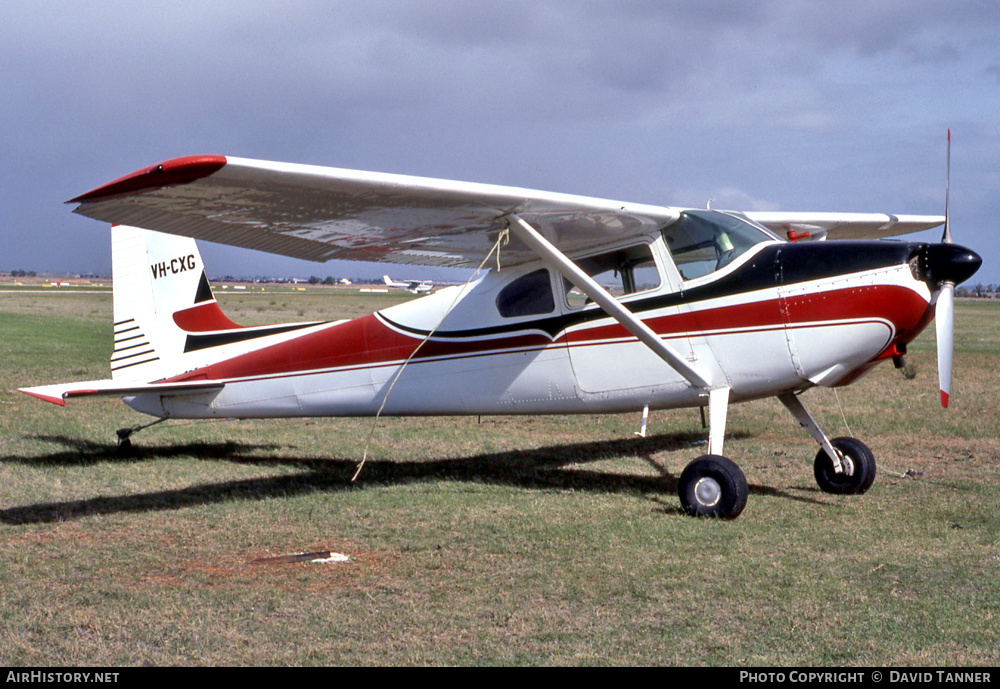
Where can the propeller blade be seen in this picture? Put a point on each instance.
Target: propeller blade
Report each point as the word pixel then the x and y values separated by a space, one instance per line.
pixel 944 317
pixel 946 237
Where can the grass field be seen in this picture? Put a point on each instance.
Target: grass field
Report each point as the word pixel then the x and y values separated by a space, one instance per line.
pixel 534 540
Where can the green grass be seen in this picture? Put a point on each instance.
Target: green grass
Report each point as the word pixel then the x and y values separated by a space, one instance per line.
pixel 501 540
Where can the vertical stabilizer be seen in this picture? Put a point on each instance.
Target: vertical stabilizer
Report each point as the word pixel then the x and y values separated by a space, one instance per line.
pixel 156 276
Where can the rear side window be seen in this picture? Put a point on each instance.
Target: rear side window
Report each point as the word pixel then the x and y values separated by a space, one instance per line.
pixel 528 295
pixel 621 272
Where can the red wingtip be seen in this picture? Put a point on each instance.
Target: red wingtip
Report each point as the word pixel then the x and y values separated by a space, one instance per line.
pixel 165 174
pixel 944 399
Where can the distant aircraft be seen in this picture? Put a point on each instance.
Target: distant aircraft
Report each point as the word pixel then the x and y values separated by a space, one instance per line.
pixel 414 286
pixel 709 308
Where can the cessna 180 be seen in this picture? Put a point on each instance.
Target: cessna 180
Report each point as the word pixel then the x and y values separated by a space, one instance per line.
pixel 412 286
pixel 594 306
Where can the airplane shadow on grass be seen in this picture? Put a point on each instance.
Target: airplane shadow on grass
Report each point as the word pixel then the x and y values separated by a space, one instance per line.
pixel 555 467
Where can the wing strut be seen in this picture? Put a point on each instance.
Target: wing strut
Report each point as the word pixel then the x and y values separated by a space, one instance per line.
pixel 611 306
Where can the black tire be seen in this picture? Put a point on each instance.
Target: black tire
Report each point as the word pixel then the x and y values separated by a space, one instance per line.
pixel 859 468
pixel 124 440
pixel 713 486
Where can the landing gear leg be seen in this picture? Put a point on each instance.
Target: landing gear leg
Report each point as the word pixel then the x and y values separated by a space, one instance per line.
pixel 843 466
pixel 712 485
pixel 125 434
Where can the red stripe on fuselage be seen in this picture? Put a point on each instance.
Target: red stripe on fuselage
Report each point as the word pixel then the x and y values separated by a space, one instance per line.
pixel 904 308
pixel 367 341
pixel 361 342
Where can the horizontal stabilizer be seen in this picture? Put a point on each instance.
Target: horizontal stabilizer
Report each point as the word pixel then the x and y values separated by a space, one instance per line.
pixel 59 393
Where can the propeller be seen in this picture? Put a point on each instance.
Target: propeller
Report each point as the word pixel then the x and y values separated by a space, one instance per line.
pixel 944 311
pixel 945 265
pixel 942 266
pixel 944 316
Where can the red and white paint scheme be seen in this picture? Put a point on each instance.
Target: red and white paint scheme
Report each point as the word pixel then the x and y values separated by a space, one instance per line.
pixel 584 306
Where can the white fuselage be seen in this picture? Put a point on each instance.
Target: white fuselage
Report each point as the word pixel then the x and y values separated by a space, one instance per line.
pixel 458 355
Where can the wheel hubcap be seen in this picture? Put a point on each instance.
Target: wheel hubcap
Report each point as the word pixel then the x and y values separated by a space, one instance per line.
pixel 848 465
pixel 707 491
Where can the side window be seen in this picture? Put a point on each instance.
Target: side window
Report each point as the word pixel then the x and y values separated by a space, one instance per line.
pixel 621 272
pixel 528 295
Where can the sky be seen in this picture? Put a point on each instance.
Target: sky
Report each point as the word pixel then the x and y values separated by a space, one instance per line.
pixel 786 105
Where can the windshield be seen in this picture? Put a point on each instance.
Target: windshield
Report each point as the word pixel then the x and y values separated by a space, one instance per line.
pixel 702 242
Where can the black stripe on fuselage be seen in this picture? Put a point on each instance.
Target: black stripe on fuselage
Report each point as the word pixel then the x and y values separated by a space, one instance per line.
pixel 773 266
pixel 197 342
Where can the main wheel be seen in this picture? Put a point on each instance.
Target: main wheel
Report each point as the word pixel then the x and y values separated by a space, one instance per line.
pixel 713 486
pixel 859 468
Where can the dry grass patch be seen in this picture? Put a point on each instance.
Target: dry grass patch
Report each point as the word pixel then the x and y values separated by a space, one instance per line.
pixel 510 540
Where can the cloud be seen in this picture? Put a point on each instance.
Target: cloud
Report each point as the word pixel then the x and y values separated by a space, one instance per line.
pixel 835 105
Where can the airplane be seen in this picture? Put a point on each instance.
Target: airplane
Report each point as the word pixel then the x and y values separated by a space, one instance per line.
pixel 413 286
pixel 575 305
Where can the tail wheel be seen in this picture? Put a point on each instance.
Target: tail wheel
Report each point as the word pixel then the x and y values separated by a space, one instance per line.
pixel 859 468
pixel 713 486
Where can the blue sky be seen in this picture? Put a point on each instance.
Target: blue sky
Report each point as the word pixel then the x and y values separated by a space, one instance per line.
pixel 757 105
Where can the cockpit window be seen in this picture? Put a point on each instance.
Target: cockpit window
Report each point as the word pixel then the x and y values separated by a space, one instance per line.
pixel 528 295
pixel 625 271
pixel 702 242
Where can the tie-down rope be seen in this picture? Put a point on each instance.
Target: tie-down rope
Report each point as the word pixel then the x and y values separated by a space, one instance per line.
pixel 501 242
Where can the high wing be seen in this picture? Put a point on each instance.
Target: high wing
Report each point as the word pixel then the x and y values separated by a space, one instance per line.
pixel 843 225
pixel 320 213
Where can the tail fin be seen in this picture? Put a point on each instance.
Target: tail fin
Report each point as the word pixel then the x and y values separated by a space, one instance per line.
pixel 161 296
pixel 161 292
